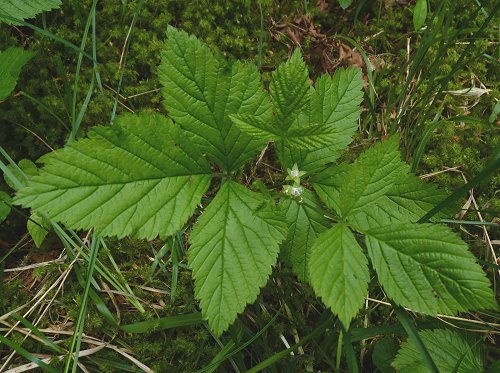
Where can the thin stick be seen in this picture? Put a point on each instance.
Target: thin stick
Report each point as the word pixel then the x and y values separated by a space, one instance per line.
pixel 36 265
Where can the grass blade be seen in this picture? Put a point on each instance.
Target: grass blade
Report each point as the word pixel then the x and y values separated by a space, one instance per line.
pixel 352 363
pixel 163 323
pixel 26 354
pixel 280 355
pixel 38 333
pixel 76 340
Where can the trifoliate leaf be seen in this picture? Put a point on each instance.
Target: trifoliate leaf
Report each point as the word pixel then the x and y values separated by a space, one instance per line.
pixel 451 352
pixel 24 9
pixel 234 245
pixel 310 126
pixel 38 228
pixel 200 93
pixel 370 177
pixel 5 202
pixel 305 221
pixel 328 121
pixel 11 62
pixel 339 272
pixel 140 177
pixel 428 268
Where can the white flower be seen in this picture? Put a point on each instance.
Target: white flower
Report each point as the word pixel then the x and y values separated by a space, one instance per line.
pixel 296 191
pixel 294 174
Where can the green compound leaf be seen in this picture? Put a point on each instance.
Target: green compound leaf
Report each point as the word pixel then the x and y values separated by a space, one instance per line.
pixel 200 93
pixel 234 245
pixel 451 352
pixel 25 9
pixel 140 177
pixel 11 62
pixel 306 222
pixel 305 138
pixel 428 268
pixel 311 125
pixel 339 272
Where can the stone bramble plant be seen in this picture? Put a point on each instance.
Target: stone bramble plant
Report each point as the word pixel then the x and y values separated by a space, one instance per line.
pixel 145 175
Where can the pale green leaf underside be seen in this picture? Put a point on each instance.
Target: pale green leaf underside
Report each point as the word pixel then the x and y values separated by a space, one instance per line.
pixel 339 272
pixel 448 350
pixel 428 268
pixel 139 177
pixel 11 62
pixel 305 222
pixel 234 245
pixel 25 9
pixel 200 93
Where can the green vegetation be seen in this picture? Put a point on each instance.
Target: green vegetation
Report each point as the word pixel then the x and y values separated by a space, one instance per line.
pixel 139 297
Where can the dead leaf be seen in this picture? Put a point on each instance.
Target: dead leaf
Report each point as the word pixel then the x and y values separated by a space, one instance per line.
pixel 350 57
